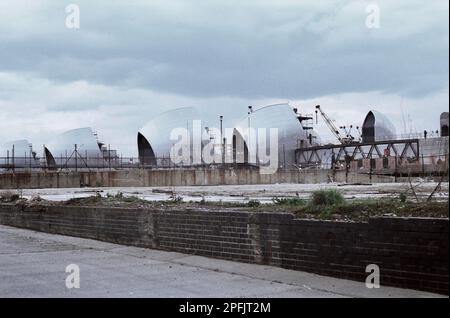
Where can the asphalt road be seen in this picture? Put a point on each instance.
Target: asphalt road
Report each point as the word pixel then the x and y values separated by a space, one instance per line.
pixel 33 264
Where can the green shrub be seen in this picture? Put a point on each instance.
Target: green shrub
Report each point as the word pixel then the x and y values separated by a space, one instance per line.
pixel 8 196
pixel 289 201
pixel 253 203
pixel 403 197
pixel 131 199
pixel 327 197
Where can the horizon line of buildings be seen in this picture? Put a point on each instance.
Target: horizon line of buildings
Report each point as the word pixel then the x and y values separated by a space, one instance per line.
pixel 81 147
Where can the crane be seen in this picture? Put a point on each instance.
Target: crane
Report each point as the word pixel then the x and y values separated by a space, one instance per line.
pixel 343 140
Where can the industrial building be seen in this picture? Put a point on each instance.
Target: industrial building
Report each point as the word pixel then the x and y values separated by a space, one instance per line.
pixel 18 154
pixel 292 132
pixel 153 140
pixel 77 148
pixel 377 127
pixel 378 149
pixel 444 124
pixel 381 150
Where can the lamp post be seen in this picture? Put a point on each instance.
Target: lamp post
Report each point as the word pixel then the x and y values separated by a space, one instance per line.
pixel 31 154
pixel 221 128
pixel 13 157
pixel 250 143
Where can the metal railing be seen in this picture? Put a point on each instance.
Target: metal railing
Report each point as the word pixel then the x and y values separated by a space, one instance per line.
pixel 97 163
pixel 81 162
pixel 416 135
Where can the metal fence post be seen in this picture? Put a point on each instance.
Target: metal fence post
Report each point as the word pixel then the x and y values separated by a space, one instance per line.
pixel 109 156
pixel 76 158
pixel 13 159
pixel 423 167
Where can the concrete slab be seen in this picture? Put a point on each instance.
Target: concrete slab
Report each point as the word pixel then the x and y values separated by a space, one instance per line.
pixel 33 264
pixel 243 193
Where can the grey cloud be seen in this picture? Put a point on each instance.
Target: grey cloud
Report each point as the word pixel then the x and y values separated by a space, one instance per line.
pixel 250 51
pixel 132 60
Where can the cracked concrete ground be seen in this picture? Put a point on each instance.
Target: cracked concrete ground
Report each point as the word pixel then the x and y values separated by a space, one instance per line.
pixel 243 193
pixel 33 264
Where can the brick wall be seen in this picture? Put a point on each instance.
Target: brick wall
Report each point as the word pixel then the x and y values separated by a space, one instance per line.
pixel 411 253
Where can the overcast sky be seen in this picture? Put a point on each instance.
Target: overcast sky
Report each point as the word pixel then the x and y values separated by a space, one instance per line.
pixel 130 60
